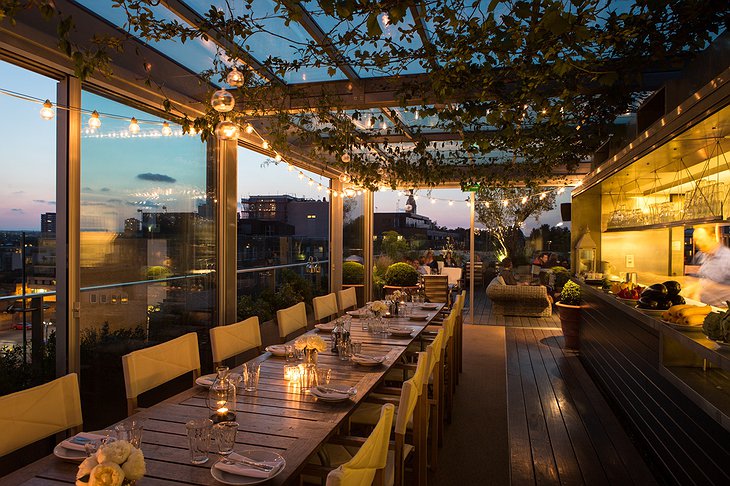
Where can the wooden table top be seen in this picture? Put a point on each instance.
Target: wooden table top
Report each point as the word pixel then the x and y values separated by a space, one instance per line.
pixel 276 417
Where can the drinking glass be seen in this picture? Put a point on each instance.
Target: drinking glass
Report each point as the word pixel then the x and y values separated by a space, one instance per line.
pixel 131 431
pixel 323 376
pixel 199 439
pixel 344 350
pixel 356 347
pixel 224 435
pixel 290 352
pixel 250 374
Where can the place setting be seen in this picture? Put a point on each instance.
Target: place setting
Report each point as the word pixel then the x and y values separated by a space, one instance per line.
pixel 400 331
pixel 82 445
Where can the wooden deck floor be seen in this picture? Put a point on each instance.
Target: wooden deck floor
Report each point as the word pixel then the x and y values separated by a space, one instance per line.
pixel 560 428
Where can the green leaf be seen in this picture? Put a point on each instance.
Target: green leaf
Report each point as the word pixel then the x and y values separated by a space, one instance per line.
pixel 373 25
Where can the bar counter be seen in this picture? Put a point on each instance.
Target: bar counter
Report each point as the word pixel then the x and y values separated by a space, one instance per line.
pixel 670 387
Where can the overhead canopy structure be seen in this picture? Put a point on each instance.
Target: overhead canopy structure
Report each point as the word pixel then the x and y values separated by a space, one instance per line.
pixel 394 93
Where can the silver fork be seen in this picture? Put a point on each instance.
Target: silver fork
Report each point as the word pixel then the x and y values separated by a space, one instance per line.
pixel 249 463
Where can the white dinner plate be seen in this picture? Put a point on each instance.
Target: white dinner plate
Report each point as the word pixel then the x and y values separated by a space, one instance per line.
pixel 324 327
pixel 652 312
pixel 682 327
pixel 429 306
pixel 357 313
pixel 333 396
pixel 419 317
pixel 206 380
pixel 276 350
pixel 69 454
pixel 400 331
pixel 365 360
pixel 255 455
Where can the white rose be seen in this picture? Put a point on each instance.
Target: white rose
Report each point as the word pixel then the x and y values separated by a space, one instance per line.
pixel 86 466
pixel 116 452
pixel 106 474
pixel 134 468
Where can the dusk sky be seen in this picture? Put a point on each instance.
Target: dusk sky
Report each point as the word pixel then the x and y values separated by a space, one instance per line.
pixel 121 174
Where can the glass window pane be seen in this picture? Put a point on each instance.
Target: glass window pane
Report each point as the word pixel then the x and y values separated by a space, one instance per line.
pixel 27 231
pixel 147 247
pixel 283 238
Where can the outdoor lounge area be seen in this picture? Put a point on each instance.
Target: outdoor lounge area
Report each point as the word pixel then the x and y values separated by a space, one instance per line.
pixel 339 242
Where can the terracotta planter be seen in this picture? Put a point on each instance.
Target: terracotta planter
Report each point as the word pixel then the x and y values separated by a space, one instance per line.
pixel 570 323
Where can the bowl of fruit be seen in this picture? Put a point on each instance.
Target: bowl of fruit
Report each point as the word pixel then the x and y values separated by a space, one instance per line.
pixel 627 292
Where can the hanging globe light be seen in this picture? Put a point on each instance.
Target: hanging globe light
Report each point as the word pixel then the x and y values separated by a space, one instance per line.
pixel 94 121
pixel 222 101
pixel 166 130
pixel 344 178
pixel 345 158
pixel 235 78
pixel 47 112
pixel 226 130
pixel 133 126
pixel 350 192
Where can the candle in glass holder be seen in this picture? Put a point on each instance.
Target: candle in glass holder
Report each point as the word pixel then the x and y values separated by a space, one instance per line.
pixel 291 373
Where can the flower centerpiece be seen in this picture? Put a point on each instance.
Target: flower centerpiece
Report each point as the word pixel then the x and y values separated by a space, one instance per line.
pixel 311 345
pixel 114 464
pixel 378 308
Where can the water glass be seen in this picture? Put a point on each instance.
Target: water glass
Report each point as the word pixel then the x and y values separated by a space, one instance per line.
pixel 323 376
pixel 365 322
pixel 356 348
pixel 344 350
pixel 224 435
pixel 250 374
pixel 199 439
pixel 291 353
pixel 131 431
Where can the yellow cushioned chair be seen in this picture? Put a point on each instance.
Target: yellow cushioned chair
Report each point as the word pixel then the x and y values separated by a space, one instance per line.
pixel 148 368
pixel 36 413
pixel 325 306
pixel 370 459
pixel 291 320
pixel 347 299
pixel 234 339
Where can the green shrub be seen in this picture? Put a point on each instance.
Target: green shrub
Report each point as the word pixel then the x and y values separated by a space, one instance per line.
pixel 352 273
pixel 570 295
pixel 401 275
pixel 562 275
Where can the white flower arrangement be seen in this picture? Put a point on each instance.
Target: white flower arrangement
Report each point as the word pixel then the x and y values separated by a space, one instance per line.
pixel 310 342
pixel 378 307
pixel 114 464
pixel 397 296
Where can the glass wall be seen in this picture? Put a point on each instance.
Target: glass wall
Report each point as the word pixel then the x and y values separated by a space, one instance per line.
pixel 283 237
pixel 353 234
pixel 147 246
pixel 27 230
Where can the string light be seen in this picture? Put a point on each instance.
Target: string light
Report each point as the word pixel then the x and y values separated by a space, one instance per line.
pixel 249 128
pixel 47 112
pixel 289 167
pixel 310 182
pixel 301 175
pixel 524 199
pixel 433 201
pixel 345 158
pixel 451 203
pixel 542 196
pixel 166 130
pixel 561 190
pixel 277 158
pixel 265 145
pixel 133 126
pixel 94 121
pixel 505 203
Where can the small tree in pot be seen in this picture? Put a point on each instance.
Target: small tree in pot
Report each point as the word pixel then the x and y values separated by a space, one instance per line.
pixel 569 310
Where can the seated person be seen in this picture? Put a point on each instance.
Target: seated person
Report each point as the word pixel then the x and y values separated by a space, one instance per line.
pixel 423 268
pixel 506 272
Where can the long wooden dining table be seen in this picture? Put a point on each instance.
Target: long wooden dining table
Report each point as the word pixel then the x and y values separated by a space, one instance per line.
pixel 277 417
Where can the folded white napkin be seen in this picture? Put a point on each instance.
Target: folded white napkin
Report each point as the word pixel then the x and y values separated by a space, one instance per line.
pixel 78 446
pixel 329 393
pixel 242 470
pixel 365 357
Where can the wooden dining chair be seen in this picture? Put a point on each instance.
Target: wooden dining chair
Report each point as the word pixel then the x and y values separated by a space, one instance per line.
pixel 454 275
pixel 30 415
pixel 291 320
pixel 367 466
pixel 436 288
pixel 325 307
pixel 149 368
pixel 434 377
pixel 347 299
pixel 235 339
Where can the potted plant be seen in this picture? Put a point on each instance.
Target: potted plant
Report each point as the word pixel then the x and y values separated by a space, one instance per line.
pixel 401 275
pixel 569 310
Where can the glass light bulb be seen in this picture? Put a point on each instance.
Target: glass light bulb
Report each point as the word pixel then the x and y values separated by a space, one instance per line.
pixel 277 158
pixel 235 78
pixel 94 121
pixel 166 130
pixel 350 192
pixel 249 129
pixel 265 145
pixel 222 101
pixel 505 203
pixel 344 178
pixel 226 130
pixel 345 158
pixel 47 112
pixel 289 167
pixel 133 126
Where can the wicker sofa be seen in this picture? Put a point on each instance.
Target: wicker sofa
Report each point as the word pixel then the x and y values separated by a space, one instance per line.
pixel 519 300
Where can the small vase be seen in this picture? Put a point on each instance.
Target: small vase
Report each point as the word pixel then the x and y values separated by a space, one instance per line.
pixel 310 356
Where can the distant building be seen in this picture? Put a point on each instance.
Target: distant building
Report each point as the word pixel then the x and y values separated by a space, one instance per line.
pixel 132 226
pixel 414 226
pixel 48 224
pixel 309 217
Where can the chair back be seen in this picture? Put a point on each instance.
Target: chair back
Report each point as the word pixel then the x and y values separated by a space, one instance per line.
pixel 409 395
pixel 454 274
pixel 234 339
pixel 371 457
pixel 434 352
pixel 148 368
pixel 436 288
pixel 291 319
pixel 347 299
pixel 325 306
pixel 36 413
